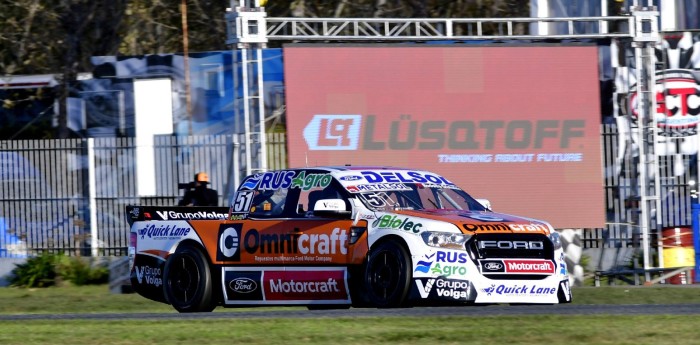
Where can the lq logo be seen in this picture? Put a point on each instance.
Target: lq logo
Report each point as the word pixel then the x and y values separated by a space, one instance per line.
pixel 333 132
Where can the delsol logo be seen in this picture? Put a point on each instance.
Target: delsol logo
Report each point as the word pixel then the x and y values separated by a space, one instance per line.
pixel 333 132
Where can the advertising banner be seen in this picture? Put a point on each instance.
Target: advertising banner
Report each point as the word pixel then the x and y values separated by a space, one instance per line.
pixel 518 125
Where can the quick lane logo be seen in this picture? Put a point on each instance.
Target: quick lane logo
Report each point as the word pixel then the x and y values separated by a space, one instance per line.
pixel 229 243
pixel 342 132
pixel 333 132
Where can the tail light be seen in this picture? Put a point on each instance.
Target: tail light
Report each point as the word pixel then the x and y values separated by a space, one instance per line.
pixel 132 248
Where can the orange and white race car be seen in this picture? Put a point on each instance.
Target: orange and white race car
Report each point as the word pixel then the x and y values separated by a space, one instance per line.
pixel 340 237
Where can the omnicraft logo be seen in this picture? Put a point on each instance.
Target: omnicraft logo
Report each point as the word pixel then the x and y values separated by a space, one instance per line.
pixel 343 132
pixel 333 132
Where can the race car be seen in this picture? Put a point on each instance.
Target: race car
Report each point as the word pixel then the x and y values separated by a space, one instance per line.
pixel 344 236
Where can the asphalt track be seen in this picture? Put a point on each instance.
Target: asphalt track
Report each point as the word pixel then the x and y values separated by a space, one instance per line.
pixel 493 310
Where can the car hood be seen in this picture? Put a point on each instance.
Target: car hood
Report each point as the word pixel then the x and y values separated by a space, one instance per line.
pixel 483 222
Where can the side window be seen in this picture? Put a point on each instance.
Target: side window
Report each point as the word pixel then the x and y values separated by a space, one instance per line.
pixel 268 203
pixel 308 198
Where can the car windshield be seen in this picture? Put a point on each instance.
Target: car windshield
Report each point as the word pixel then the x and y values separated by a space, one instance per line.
pixel 418 196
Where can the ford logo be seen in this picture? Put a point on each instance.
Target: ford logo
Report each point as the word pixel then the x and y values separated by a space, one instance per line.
pixel 350 178
pixel 243 285
pixel 493 266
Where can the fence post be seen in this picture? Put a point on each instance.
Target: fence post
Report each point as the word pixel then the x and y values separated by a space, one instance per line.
pixel 92 194
pixel 695 206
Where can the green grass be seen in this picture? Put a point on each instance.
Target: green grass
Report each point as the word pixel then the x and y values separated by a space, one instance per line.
pixel 536 329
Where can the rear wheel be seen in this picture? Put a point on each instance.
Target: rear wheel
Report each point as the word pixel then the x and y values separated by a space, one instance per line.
pixel 187 281
pixel 387 275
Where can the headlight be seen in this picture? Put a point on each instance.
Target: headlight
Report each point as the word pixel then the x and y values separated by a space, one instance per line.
pixel 447 240
pixel 556 239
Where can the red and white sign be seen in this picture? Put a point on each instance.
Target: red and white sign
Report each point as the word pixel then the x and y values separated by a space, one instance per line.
pixel 305 285
pixel 519 126
pixel 529 266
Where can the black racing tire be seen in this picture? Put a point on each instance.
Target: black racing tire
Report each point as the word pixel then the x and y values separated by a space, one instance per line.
pixel 187 281
pixel 387 275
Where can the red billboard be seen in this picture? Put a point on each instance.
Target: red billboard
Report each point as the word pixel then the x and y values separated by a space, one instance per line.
pixel 518 125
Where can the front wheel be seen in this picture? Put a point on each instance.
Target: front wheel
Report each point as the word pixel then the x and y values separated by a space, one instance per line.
pixel 187 281
pixel 387 275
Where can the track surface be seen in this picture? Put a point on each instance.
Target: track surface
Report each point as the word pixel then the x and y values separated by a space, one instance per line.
pixel 496 310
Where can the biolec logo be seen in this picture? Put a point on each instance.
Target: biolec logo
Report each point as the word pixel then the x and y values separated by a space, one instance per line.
pixel 333 132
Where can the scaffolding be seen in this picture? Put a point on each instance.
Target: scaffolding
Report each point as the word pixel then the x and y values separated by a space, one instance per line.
pixel 249 30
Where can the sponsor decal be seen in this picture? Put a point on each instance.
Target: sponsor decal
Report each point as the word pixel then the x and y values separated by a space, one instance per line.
pixel 519 290
pixel 492 266
pixel 446 263
pixel 291 243
pixel 229 243
pixel 252 182
pixel 403 177
pixel 134 212
pixel 529 245
pixel 375 187
pixel 285 179
pixel 351 178
pixel 242 285
pixel 280 285
pixel 333 132
pixel 163 231
pixel 397 223
pixel 168 215
pixel 562 265
pixel 440 288
pixel 529 266
pixel 505 227
pixel 149 275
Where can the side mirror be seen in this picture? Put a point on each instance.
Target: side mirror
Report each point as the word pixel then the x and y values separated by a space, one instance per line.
pixel 331 208
pixel 485 202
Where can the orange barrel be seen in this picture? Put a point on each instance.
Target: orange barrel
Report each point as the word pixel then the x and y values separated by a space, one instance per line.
pixel 679 251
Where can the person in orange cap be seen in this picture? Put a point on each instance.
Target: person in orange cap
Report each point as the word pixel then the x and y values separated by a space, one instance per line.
pixel 200 194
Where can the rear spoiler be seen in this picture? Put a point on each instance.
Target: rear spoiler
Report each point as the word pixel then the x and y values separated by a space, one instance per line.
pixel 135 213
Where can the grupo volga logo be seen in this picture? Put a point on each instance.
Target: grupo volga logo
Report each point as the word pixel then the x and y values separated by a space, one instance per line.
pixel 333 132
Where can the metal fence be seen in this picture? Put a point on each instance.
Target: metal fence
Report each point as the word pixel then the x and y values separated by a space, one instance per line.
pixel 46 202
pixel 46 199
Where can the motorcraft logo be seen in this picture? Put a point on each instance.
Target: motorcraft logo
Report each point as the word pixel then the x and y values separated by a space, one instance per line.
pixel 343 132
pixel 309 284
pixel 164 231
pixel 168 215
pixel 529 266
pixel 149 275
pixel 519 290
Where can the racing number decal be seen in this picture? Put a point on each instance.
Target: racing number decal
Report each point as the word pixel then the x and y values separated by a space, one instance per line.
pixel 380 199
pixel 242 201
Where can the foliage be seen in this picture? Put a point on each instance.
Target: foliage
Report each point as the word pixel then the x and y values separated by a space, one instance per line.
pixel 82 271
pixel 48 269
pixel 37 271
